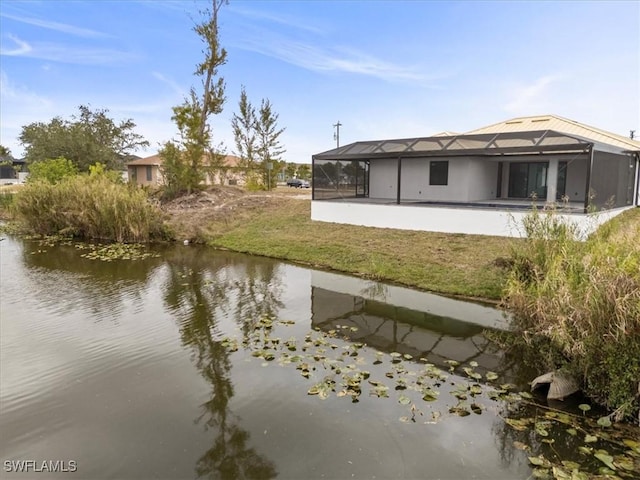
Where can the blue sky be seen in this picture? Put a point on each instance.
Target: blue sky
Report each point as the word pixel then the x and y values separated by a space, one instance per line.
pixel 384 69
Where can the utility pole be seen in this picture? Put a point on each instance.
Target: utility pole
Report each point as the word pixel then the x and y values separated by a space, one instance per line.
pixel 336 134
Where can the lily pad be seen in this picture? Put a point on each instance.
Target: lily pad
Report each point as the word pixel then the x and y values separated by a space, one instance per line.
pixel 605 458
pixel 491 376
pixel 604 421
pixel 404 400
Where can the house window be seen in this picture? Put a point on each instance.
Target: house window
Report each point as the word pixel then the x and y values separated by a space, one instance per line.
pixel 439 173
pixel 149 173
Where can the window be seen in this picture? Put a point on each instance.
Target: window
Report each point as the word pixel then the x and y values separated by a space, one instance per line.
pixel 149 173
pixel 439 173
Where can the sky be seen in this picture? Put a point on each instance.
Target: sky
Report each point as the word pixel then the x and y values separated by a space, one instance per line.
pixel 382 69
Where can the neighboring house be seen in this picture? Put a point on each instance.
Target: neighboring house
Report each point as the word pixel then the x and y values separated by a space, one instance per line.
pixel 480 182
pixel 148 171
pixel 12 170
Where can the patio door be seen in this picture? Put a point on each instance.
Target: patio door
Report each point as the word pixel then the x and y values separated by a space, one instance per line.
pixel 527 179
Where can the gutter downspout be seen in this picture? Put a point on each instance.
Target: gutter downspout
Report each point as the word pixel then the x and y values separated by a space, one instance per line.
pixel 399 179
pixel 588 191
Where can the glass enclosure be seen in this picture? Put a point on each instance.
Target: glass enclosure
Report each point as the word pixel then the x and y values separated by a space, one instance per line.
pixel 340 179
pixel 612 180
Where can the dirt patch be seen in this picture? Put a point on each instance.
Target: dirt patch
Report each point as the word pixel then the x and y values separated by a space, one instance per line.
pixel 203 214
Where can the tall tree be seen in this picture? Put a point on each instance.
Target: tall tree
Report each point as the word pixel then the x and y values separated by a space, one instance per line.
pixel 87 138
pixel 183 165
pixel 270 149
pixel 244 132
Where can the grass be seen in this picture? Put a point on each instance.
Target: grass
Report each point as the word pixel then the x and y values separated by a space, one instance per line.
pixel 459 265
pixel 91 208
pixel 577 305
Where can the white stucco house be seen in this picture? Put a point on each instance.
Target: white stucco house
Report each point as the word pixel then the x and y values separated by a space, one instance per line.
pixel 480 182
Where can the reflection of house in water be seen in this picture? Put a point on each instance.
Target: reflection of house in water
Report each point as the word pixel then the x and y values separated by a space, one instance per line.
pixel 391 318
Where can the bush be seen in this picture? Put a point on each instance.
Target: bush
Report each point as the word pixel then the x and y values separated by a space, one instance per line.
pixel 52 171
pixel 89 207
pixel 582 301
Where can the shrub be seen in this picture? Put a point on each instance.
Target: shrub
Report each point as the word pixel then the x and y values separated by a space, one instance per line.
pixel 53 170
pixel 582 301
pixel 89 207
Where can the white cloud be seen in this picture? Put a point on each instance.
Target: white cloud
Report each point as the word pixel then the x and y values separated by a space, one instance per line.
pixel 281 19
pixel 533 97
pixel 66 54
pixel 334 59
pixel 19 106
pixel 22 48
pixel 178 90
pixel 59 27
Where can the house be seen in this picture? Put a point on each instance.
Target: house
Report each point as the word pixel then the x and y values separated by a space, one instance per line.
pixel 480 182
pixel 148 171
pixel 12 170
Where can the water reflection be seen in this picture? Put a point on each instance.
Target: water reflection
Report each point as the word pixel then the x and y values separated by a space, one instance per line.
pixel 389 324
pixel 202 292
pixel 64 280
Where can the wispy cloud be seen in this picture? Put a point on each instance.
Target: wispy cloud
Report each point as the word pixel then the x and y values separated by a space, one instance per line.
pixel 286 20
pixel 527 98
pixel 59 27
pixel 65 54
pixel 335 59
pixel 181 92
pixel 21 47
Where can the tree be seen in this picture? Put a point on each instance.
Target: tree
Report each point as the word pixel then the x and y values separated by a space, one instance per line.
pixel 244 133
pixel 5 153
pixel 183 161
pixel 52 170
pixel 269 148
pixel 90 137
pixel 304 171
pixel 291 170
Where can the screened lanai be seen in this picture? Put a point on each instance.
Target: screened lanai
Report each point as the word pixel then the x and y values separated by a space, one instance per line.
pixel 482 169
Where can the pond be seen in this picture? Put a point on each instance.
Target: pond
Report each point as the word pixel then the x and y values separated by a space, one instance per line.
pixel 187 362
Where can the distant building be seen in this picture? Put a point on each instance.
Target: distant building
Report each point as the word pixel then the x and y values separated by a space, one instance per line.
pixel 148 171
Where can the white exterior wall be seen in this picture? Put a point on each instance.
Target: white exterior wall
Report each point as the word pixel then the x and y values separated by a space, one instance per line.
pixel 469 179
pixel 383 179
pixel 483 179
pixel 472 221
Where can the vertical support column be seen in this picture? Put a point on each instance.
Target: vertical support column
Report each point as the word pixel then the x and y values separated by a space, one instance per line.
pixel 552 180
pixel 588 187
pixel 637 186
pixel 399 179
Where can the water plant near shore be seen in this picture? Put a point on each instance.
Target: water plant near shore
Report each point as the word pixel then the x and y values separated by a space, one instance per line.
pixel 576 305
pixel 332 366
pixel 90 208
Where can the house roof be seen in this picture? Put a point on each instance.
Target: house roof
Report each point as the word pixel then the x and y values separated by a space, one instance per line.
pixel 560 124
pixel 156 160
pixel 535 142
pixel 525 135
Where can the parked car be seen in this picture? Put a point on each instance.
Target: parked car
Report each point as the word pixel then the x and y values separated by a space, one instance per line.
pixel 294 182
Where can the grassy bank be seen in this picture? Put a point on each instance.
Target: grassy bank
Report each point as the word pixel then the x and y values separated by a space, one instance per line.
pixel 281 228
pixel 87 207
pixel 577 305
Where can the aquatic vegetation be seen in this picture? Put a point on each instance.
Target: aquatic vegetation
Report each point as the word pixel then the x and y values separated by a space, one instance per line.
pixel 89 207
pixel 336 367
pixel 576 305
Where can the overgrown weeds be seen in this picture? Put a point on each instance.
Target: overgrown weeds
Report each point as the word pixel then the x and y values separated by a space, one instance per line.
pixel 579 303
pixel 88 207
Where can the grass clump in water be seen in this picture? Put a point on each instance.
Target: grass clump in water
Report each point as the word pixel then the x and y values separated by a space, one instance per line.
pixel 88 207
pixel 578 304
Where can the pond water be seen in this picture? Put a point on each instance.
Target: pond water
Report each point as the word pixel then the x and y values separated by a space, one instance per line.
pixel 194 363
